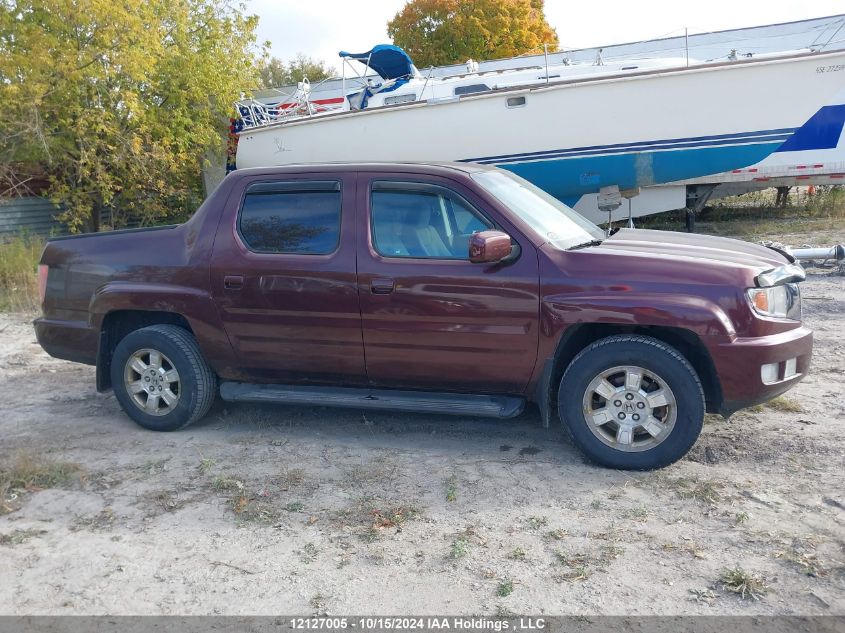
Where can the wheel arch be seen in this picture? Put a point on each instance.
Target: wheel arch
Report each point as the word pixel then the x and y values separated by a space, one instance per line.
pixel 116 324
pixel 577 337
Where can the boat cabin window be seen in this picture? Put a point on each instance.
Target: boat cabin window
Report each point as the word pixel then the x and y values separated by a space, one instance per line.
pixel 468 90
pixel 422 221
pixel 291 217
pixel 408 98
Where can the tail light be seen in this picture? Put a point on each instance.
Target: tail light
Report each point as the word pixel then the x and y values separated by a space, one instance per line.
pixel 43 270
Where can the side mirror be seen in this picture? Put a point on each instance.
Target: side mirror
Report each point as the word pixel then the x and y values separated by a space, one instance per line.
pixel 489 247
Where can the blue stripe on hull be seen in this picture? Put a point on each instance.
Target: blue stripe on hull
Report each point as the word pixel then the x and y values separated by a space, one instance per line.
pixel 761 136
pixel 570 178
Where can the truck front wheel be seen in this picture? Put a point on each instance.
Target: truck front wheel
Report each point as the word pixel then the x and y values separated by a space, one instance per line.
pixel 631 402
pixel 161 379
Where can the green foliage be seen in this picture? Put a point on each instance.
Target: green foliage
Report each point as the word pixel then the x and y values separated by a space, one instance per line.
pixel 438 32
pixel 274 73
pixel 460 548
pixel 117 102
pixel 505 588
pixel 28 471
pixel 18 273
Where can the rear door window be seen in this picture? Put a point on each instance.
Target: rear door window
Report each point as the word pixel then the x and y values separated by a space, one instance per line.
pixel 291 217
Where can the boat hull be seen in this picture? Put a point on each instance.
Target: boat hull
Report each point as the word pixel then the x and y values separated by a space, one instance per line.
pixel 575 137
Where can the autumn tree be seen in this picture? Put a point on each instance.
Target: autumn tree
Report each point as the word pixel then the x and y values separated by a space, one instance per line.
pixel 440 32
pixel 274 72
pixel 116 102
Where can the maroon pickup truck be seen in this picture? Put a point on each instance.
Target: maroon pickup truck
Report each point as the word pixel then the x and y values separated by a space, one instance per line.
pixel 447 288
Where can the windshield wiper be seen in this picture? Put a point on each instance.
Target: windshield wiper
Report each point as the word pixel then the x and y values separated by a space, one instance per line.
pixel 585 245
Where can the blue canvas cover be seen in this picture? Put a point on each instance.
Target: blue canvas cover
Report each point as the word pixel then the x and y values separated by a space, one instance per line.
pixel 389 61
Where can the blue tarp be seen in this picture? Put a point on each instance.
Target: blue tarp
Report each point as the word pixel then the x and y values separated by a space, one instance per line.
pixel 389 61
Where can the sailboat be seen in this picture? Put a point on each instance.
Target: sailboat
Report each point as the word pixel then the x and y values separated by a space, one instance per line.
pixel 569 131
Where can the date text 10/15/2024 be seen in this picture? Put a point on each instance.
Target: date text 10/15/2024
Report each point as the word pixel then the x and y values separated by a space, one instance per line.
pixel 495 625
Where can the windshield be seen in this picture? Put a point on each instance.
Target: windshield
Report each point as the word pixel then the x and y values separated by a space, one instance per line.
pixel 559 224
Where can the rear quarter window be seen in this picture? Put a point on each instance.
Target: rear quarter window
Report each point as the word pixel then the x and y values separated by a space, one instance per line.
pixel 291 217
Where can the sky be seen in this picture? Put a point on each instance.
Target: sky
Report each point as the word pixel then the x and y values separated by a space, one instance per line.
pixel 321 28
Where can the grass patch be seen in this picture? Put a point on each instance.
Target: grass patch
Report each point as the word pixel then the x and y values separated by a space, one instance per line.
pixel 206 465
pixel 639 513
pixel 291 478
pixel 803 555
pixel 371 516
pixel 557 535
pixel 378 472
pixel 708 492
pixel 33 472
pixel 578 565
pixel 17 537
pixel 452 488
pixel 26 471
pixel 518 554
pixel 537 522
pixel 319 602
pixel 309 553
pixel 746 584
pixel 784 404
pixel 505 588
pixel 459 549
pixel 164 500
pixel 754 216
pixel 18 273
pixel 251 509
pixel 226 484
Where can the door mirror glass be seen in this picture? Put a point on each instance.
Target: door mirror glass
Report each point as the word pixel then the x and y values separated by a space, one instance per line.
pixel 488 247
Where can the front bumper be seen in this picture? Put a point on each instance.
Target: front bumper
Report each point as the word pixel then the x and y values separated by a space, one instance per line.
pixel 738 365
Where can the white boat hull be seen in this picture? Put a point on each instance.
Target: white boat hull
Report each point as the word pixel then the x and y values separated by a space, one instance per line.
pixel 574 137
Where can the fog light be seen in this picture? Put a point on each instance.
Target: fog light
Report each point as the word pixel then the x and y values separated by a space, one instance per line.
pixel 769 373
pixel 790 368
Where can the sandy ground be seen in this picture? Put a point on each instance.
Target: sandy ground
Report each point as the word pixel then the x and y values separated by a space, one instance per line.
pixel 310 510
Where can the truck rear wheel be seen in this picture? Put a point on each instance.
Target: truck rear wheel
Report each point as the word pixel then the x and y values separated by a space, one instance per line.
pixel 631 402
pixel 161 379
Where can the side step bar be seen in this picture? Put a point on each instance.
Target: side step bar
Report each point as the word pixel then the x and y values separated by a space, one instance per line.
pixel 366 398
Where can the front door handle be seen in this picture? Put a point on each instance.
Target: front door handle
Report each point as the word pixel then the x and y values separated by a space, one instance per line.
pixel 382 286
pixel 233 282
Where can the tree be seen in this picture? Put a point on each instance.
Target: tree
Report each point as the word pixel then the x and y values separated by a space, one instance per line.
pixel 439 32
pixel 120 100
pixel 274 73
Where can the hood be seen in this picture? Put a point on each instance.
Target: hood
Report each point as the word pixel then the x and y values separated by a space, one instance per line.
pixel 663 259
pixel 690 246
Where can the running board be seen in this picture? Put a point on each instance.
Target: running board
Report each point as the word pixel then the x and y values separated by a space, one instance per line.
pixel 365 398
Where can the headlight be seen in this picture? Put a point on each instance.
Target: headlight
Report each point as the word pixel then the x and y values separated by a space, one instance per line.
pixel 782 301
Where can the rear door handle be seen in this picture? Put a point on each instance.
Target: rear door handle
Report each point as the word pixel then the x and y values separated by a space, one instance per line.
pixel 381 286
pixel 233 282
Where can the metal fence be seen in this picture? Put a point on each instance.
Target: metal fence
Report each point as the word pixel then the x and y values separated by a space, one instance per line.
pixel 33 216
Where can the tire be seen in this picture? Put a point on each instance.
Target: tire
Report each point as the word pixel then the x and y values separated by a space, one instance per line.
pixel 635 425
pixel 149 392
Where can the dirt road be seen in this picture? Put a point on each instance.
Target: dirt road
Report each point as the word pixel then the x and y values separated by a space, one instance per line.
pixel 309 510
